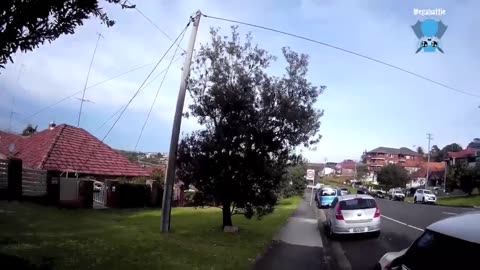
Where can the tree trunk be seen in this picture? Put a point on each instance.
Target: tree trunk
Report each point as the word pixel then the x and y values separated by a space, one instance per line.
pixel 227 216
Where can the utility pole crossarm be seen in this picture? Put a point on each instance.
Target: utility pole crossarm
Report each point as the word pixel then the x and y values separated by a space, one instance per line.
pixel 177 121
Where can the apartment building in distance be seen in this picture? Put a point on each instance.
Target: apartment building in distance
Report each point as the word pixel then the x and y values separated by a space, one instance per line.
pixel 405 157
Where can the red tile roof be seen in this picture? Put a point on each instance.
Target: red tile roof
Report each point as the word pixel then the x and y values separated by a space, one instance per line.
pixel 151 169
pixel 467 152
pixel 347 164
pixel 433 167
pixel 64 148
pixel 414 163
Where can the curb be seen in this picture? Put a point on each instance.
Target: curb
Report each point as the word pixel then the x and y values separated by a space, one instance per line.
pixel 336 249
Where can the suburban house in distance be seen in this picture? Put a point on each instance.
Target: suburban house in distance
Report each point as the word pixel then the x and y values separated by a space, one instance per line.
pixel 436 175
pixel 381 156
pixel 469 155
pixel 346 167
pixel 67 150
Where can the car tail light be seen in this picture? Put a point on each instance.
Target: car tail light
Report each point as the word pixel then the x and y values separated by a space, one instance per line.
pixel 338 212
pixel 377 212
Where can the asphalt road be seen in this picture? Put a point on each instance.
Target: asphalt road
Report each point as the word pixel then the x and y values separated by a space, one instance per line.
pixel 402 223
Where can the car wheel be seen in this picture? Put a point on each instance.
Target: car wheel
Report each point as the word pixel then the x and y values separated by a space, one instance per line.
pixel 376 234
pixel 330 232
pixel 414 199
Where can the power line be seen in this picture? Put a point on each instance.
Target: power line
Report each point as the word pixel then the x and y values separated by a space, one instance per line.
pixel 156 94
pixel 78 92
pixel 347 51
pixel 86 80
pixel 143 88
pixel 136 93
pixel 154 24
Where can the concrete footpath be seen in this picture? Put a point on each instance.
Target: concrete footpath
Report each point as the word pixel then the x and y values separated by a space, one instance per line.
pixel 298 244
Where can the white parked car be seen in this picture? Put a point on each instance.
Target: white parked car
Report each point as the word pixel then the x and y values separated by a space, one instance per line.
pixel 352 214
pixel 424 196
pixel 396 195
pixel 451 243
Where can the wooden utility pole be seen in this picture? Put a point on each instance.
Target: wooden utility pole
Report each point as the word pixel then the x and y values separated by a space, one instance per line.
pixel 429 138
pixel 177 121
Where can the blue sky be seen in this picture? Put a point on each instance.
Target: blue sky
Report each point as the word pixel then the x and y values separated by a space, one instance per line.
pixel 366 104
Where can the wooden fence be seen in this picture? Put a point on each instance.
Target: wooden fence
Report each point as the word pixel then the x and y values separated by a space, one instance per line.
pixel 34 182
pixel 3 174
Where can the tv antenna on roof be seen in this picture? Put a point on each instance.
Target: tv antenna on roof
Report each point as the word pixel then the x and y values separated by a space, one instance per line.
pixel 11 148
pixel 85 100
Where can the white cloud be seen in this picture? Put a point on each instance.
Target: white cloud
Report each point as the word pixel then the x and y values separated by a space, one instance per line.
pixel 355 86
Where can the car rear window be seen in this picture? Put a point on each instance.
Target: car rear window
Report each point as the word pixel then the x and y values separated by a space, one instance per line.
pixel 424 252
pixel 328 192
pixel 358 203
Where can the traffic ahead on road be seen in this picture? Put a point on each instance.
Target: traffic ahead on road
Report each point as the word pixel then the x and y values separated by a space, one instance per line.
pixel 388 233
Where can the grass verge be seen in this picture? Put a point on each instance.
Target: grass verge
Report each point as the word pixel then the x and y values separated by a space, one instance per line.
pixel 473 200
pixel 131 239
pixel 338 183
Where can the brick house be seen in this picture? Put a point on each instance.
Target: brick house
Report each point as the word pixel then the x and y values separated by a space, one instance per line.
pixel 346 167
pixel 67 149
pixel 381 156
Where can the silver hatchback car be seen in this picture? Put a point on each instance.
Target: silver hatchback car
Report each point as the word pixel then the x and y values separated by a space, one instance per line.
pixel 353 214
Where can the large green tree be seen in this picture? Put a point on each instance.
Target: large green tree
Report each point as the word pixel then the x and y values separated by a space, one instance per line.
pixel 465 177
pixel 443 154
pixel 25 24
pixel 293 182
pixel 252 123
pixel 393 175
pixel 362 171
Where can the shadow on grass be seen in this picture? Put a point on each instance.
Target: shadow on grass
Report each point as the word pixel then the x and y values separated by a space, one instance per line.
pixel 9 262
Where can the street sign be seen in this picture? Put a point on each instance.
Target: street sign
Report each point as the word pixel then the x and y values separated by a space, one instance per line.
pixel 310 174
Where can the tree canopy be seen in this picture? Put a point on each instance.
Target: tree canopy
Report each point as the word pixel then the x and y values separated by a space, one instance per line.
pixel 465 177
pixel 362 171
pixel 441 155
pixel 25 24
pixel 252 123
pixel 393 175
pixel 420 150
pixel 29 130
pixel 475 143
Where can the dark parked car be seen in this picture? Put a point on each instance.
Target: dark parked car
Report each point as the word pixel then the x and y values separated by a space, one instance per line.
pixel 362 191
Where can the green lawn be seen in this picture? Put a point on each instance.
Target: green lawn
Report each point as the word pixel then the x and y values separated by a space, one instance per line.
pixel 338 182
pixel 131 239
pixel 460 201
